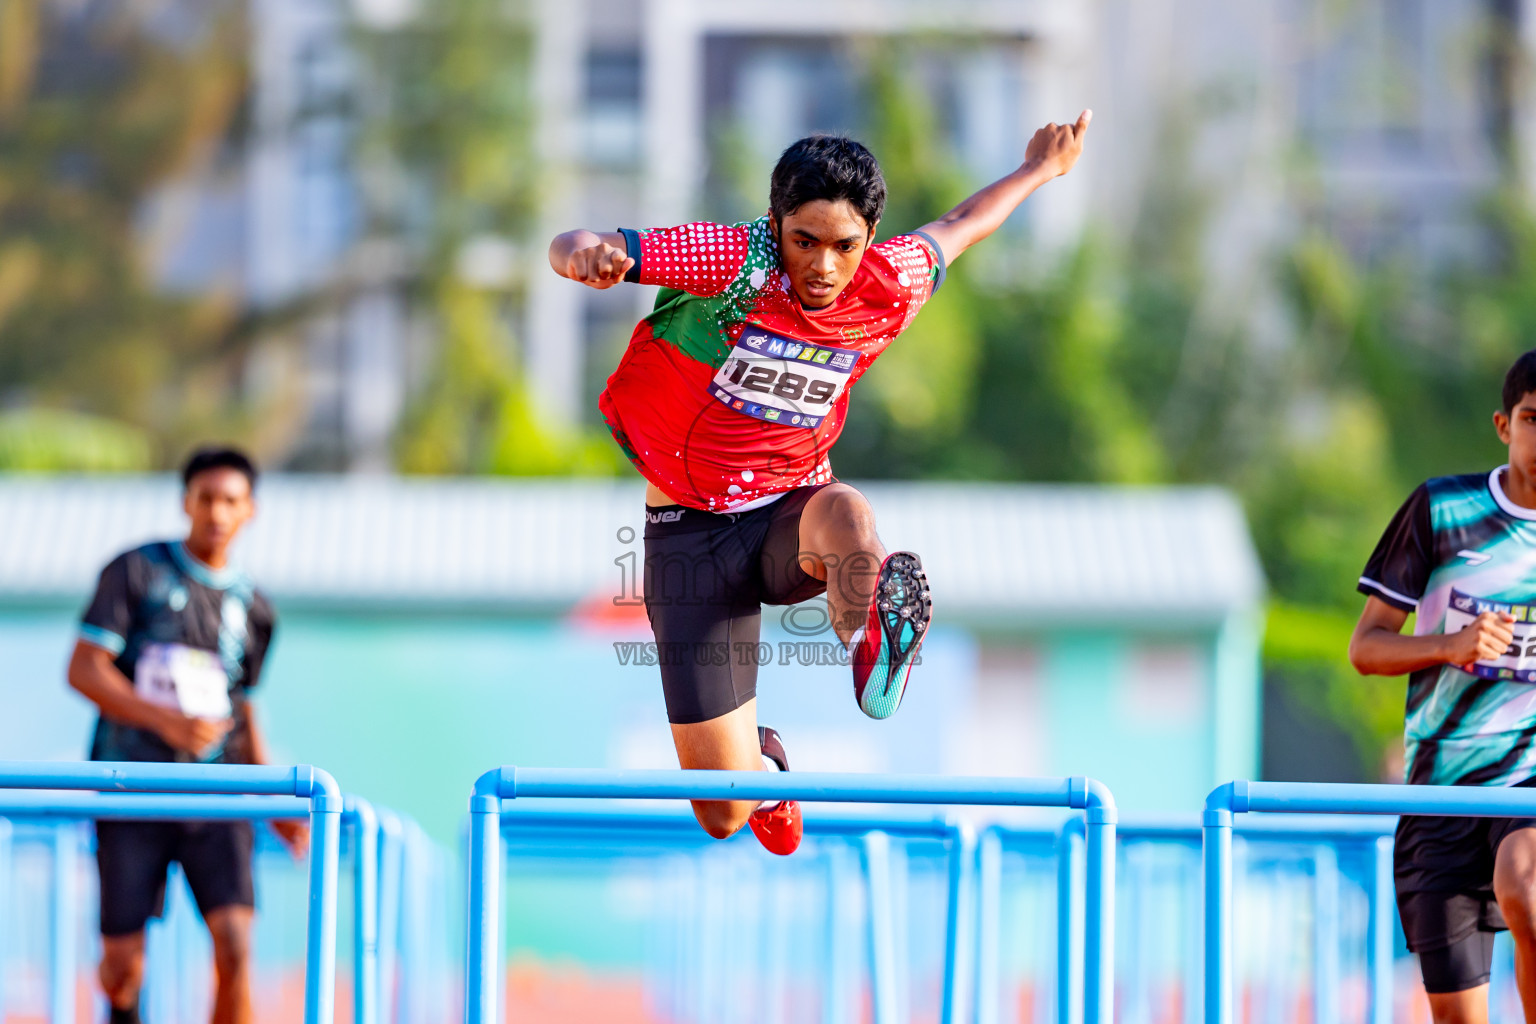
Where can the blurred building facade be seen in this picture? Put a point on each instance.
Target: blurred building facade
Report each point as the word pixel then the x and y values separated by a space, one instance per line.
pixel 1388 120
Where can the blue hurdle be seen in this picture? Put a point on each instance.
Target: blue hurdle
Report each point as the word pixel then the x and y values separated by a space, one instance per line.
pixel 1070 894
pixel 365 917
pixel 310 783
pixel 391 880
pixel 482 968
pixel 358 815
pixel 1375 830
pixel 873 832
pixel 1321 798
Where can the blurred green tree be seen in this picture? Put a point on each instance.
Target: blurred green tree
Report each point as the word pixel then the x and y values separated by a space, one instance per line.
pixel 52 440
pixel 102 106
pixel 452 176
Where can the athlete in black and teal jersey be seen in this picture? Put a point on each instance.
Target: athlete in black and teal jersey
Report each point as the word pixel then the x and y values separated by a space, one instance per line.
pixel 1461 554
pixel 170 648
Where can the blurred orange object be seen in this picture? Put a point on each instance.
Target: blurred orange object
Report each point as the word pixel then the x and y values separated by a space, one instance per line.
pixel 538 994
pixel 601 611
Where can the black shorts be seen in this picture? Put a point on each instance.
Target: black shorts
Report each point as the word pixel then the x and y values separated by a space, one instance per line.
pixel 707 576
pixel 1443 870
pixel 133 857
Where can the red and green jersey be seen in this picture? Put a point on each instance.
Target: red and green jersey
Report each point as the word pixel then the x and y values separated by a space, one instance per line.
pixel 731 392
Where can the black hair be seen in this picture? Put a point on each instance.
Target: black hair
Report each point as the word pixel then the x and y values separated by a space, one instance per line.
pixel 208 458
pixel 1519 381
pixel 828 167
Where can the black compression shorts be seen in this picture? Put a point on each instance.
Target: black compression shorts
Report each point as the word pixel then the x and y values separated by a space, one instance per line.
pixel 133 857
pixel 707 576
pixel 1443 870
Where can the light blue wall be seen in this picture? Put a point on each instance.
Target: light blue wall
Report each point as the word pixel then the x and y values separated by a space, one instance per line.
pixel 1238 697
pixel 47 721
pixel 409 710
pixel 1154 759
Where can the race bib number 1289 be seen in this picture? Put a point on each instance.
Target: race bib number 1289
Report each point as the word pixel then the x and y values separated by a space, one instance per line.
pixel 781 380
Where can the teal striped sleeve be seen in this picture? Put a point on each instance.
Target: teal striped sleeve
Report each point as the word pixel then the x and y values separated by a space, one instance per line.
pixel 103 638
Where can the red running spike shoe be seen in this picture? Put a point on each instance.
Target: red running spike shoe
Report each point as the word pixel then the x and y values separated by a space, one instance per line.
pixel 899 614
pixel 779 827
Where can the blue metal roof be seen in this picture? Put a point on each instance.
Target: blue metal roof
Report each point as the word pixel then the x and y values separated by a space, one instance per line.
pixel 1004 553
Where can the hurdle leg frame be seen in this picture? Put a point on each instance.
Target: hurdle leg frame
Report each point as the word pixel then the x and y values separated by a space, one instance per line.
pixel 1379 961
pixel 390 884
pixel 304 781
pixel 1216 868
pixel 5 905
pixel 989 889
pixel 882 940
pixel 1241 796
pixel 1325 934
pixel 959 930
pixel 67 811
pixel 484 912
pixel 364 822
pixel 1070 924
pixel 65 910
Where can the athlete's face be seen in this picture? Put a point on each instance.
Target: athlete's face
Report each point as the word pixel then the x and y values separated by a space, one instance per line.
pixel 821 245
pixel 219 503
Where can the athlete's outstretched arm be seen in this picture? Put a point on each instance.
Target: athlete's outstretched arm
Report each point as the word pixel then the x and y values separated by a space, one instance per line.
pixel 1051 153
pixel 596 259
pixel 1378 647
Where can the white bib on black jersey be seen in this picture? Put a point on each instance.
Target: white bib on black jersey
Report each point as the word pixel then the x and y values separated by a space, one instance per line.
pixel 191 680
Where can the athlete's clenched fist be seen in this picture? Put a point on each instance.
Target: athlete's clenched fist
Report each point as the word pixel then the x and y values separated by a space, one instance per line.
pixel 596 260
pixel 1057 146
pixel 601 266
pixel 1485 638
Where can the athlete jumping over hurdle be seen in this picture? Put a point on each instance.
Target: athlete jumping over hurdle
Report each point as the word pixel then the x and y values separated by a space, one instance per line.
pixel 728 399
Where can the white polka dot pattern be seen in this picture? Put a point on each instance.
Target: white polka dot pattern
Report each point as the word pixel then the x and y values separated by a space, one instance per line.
pixel 916 268
pixel 699 258
pixel 705 453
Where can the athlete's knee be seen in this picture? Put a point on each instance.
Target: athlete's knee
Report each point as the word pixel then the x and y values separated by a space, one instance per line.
pixel 1517 902
pixel 721 819
pixel 1467 1007
pixel 849 511
pixel 1514 881
pixel 230 929
pixel 1517 896
pixel 122 968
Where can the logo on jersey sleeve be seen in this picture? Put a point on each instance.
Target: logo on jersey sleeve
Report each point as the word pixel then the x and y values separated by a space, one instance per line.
pixel 1518 663
pixel 782 380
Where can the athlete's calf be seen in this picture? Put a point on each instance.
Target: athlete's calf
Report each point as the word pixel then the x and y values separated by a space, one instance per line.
pixel 1514 886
